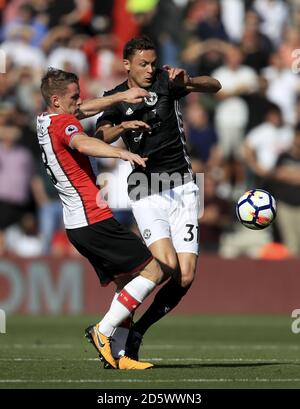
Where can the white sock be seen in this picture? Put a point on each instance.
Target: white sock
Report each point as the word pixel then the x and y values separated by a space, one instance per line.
pixel 127 301
pixel 119 336
pixel 139 288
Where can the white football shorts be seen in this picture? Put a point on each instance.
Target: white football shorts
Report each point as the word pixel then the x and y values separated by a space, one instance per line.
pixel 170 214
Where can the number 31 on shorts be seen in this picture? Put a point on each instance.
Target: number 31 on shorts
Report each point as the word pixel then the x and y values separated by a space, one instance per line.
pixel 192 231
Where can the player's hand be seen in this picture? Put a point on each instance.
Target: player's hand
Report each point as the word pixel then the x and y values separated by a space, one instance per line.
pixel 134 95
pixel 178 75
pixel 135 125
pixel 133 158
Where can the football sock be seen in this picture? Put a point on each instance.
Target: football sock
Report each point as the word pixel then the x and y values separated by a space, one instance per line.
pixel 120 334
pixel 165 300
pixel 128 299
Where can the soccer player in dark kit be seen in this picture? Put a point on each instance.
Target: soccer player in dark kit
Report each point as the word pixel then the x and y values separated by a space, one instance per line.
pixel 164 196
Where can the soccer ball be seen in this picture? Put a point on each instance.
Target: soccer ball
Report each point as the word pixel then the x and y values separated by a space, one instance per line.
pixel 256 209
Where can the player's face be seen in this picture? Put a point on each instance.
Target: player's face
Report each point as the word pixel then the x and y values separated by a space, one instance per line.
pixel 70 101
pixel 141 68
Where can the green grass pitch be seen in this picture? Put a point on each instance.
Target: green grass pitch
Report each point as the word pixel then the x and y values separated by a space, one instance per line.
pixel 195 352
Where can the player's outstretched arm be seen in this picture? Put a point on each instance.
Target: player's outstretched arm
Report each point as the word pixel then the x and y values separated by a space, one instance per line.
pixel 203 84
pixel 94 147
pixel 193 84
pixel 94 106
pixel 110 134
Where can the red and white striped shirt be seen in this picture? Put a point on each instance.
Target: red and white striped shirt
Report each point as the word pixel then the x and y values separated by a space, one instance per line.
pixel 70 171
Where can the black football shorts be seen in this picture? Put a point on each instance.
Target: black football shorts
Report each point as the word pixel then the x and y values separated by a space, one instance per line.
pixel 111 248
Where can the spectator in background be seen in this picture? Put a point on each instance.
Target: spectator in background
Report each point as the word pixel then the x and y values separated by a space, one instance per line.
pixel 232 113
pixel 201 137
pixel 203 57
pixel 22 239
pixel 274 18
pixel 283 88
pixel 285 186
pixel 16 170
pixel 50 216
pixel 19 100
pixel 258 105
pixel 104 64
pixel 70 56
pixel 290 43
pixel 56 10
pixel 80 17
pixel 211 26
pixel 59 36
pixel 233 10
pixel 17 47
pixel 256 46
pixel 244 242
pixel 27 17
pixel 28 101
pixel 7 92
pixel 264 144
pixel 104 19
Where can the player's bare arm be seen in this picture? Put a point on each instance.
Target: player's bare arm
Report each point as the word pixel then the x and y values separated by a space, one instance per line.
pixel 109 133
pixel 94 147
pixel 94 106
pixel 203 83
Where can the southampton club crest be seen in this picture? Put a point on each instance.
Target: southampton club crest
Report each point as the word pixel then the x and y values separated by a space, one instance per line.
pixel 152 99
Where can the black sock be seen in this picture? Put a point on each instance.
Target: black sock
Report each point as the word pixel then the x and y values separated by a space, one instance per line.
pixel 165 300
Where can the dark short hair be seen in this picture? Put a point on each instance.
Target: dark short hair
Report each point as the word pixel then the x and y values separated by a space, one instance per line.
pixel 55 81
pixel 137 43
pixel 273 108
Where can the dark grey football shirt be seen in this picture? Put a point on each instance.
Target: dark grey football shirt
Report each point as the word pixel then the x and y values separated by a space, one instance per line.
pixel 165 144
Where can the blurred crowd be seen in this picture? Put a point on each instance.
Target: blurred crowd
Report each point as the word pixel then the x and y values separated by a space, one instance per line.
pixel 246 136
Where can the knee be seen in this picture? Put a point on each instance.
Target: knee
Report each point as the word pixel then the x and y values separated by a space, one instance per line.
pixel 187 276
pixel 169 263
pixel 186 281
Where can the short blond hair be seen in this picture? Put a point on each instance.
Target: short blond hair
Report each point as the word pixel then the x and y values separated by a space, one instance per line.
pixel 55 81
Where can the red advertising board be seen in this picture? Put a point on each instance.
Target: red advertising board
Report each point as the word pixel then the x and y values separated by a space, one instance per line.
pixel 240 286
